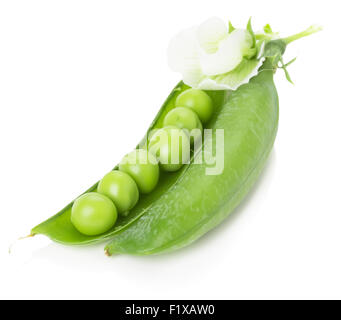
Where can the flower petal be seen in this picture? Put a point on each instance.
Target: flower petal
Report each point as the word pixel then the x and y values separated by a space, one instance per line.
pixel 210 33
pixel 246 70
pixel 229 55
pixel 210 84
pixel 192 76
pixel 183 51
pixel 210 58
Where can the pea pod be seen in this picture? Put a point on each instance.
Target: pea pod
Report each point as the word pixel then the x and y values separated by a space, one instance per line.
pixel 197 202
pixel 59 227
pixel 188 203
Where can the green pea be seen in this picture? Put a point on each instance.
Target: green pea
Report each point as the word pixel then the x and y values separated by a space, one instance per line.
pixel 171 146
pixel 184 118
pixel 121 189
pixel 197 100
pixel 142 166
pixel 93 213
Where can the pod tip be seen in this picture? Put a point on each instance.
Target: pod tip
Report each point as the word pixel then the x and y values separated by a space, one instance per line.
pixel 19 239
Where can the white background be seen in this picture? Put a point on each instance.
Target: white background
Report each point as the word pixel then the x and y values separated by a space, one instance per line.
pixel 80 82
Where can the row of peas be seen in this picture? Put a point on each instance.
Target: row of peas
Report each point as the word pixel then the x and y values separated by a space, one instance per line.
pixel 118 192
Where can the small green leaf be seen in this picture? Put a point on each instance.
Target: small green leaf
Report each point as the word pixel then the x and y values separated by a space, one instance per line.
pixel 249 28
pixel 267 34
pixel 231 27
pixel 287 75
pixel 250 53
pixel 268 29
pixel 284 67
pixel 290 62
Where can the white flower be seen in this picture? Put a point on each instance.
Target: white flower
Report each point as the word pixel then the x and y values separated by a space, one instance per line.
pixel 210 57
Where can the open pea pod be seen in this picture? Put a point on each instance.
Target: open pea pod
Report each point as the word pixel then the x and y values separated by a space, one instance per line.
pixel 196 202
pixel 190 202
pixel 59 227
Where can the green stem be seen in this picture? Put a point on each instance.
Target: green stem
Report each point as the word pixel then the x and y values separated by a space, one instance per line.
pixel 305 33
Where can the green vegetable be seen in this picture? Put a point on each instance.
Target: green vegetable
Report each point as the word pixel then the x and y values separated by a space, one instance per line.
pixel 93 214
pixel 184 118
pixel 59 227
pixel 121 189
pixel 143 168
pixel 171 146
pixel 187 203
pixel 197 100
pixel 198 202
